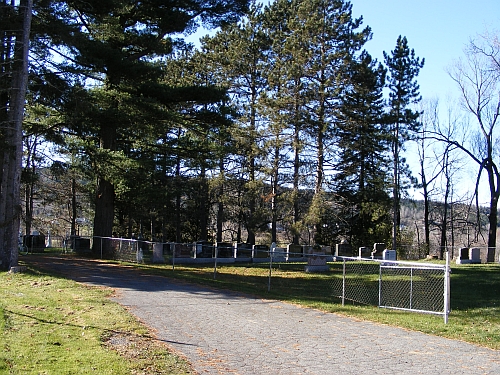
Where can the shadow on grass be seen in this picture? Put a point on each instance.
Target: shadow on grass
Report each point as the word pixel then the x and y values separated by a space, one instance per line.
pixel 472 286
pixel 475 286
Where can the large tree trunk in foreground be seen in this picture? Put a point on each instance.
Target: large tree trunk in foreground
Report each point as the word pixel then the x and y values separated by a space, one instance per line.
pixel 14 62
pixel 105 202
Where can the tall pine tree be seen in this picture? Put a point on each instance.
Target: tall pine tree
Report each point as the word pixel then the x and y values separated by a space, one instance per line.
pixel 403 68
pixel 114 44
pixel 361 178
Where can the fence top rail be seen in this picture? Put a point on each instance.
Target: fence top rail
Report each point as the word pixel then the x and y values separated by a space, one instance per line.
pixel 395 262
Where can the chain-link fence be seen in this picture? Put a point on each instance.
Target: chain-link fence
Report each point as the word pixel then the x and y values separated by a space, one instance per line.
pixel 395 285
pixel 122 249
pixel 420 287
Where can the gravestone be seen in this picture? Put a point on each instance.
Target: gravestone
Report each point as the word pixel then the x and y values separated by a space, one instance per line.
pixel 182 250
pixel 278 253
pixel 260 251
pixel 260 254
pixel 294 251
pixel 343 249
pixel 307 249
pixel 139 255
pixel 327 250
pixel 316 260
pixel 243 250
pixel 364 252
pixel 36 242
pixel 80 245
pixel 204 249
pixel 463 256
pixel 378 249
pixel 389 254
pixel 475 255
pixel 225 250
pixel 168 248
pixel 158 253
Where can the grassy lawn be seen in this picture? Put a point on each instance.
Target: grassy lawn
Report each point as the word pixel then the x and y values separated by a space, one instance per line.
pixel 50 325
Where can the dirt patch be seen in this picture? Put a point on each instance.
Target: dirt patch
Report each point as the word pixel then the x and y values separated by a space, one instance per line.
pixel 147 355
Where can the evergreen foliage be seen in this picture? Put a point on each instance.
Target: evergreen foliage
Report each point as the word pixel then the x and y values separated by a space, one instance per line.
pixel 274 129
pixel 403 67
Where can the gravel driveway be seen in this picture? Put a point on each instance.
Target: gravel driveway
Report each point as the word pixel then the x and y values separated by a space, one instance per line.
pixel 223 332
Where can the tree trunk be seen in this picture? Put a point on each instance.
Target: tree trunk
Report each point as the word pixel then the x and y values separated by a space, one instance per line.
pixel 203 210
pixel 220 204
pixel 11 129
pixel 274 193
pixel 395 189
pixel 296 171
pixel 178 234
pixel 494 182
pixel 73 207
pixel 105 200
pixel 252 204
pixel 320 156
pixel 425 187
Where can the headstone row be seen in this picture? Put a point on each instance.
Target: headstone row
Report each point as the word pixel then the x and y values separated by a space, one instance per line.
pixel 468 255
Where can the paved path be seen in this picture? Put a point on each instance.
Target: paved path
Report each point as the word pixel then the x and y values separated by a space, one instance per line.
pixel 225 333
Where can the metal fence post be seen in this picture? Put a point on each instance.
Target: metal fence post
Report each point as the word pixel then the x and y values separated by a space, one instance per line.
pixel 270 270
pixel 447 288
pixel 343 282
pixel 215 262
pixel 380 284
pixel 101 247
pixel 173 257
pixel 411 287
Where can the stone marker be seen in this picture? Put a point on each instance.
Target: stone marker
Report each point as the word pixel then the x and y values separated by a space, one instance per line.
pixel 182 250
pixel 225 250
pixel 278 254
pixel 343 249
pixel 475 255
pixel 139 255
pixel 316 260
pixel 389 254
pixel 463 256
pixel 204 249
pixel 158 253
pixel 243 250
pixel 260 251
pixel 294 251
pixel 378 248
pixel 364 252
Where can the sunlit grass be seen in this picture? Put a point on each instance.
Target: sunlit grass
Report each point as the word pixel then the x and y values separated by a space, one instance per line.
pixel 50 325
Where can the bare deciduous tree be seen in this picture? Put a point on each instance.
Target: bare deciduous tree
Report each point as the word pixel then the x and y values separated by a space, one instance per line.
pixel 477 75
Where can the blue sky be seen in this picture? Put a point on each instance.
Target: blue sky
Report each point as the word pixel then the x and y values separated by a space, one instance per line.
pixel 436 29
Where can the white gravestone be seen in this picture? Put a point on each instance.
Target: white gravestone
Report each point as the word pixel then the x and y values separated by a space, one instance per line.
pixel 158 253
pixel 316 260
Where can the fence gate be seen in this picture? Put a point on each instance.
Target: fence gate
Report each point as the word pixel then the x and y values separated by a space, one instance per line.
pixel 399 285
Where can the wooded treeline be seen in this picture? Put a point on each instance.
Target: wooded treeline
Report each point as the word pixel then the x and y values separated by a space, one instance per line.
pixel 274 128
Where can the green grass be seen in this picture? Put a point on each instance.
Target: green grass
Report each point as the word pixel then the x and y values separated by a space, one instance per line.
pixel 50 325
pixel 475 296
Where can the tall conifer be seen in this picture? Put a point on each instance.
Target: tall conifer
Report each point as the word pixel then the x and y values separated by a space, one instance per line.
pixel 361 173
pixel 403 68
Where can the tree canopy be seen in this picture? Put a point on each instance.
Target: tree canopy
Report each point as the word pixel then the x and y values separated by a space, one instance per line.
pixel 273 129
